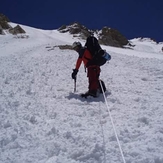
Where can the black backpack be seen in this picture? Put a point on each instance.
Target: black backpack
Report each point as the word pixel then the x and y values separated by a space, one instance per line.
pixel 99 55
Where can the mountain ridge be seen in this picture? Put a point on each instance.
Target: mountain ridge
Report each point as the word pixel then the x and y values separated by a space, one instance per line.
pixel 106 36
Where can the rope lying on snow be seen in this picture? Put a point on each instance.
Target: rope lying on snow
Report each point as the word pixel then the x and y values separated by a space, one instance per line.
pixel 115 132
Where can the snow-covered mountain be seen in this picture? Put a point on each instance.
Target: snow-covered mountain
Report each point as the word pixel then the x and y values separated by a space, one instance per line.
pixel 42 120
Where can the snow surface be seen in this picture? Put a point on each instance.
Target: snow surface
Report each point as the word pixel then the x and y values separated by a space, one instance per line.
pixel 42 120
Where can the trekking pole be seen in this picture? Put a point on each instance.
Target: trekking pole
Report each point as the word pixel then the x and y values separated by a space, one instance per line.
pixel 75 85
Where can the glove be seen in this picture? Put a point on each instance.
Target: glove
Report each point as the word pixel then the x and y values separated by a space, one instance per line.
pixel 74 73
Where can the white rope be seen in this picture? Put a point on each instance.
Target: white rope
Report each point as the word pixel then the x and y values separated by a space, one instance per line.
pixel 112 123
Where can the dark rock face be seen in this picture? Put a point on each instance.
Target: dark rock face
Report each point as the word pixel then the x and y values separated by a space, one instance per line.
pixel 112 37
pixel 4 22
pixel 106 36
pixel 1 31
pixel 4 18
pixel 16 30
pixel 76 29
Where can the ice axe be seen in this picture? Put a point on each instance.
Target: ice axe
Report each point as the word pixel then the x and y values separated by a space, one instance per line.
pixel 75 84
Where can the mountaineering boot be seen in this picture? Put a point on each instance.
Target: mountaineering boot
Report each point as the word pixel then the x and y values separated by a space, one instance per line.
pixel 93 93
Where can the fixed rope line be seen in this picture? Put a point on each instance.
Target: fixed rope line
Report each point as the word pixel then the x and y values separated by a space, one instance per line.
pixel 103 137
pixel 115 132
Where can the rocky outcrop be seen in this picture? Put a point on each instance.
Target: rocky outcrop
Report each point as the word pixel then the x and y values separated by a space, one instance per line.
pixel 112 37
pixel 1 30
pixel 76 29
pixel 62 47
pixel 16 30
pixel 106 36
pixel 4 22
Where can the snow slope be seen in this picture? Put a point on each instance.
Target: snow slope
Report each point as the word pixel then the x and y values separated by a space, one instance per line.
pixel 43 121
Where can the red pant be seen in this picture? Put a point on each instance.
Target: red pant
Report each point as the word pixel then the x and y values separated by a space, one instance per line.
pixel 93 73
